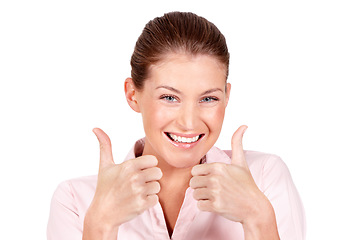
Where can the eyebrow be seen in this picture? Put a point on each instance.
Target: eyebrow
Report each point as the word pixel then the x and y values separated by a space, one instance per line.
pixel 179 92
pixel 169 88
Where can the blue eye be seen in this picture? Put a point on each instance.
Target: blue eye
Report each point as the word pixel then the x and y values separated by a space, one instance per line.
pixel 209 99
pixel 169 98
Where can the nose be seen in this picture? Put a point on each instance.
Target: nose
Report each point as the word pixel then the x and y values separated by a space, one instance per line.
pixel 188 117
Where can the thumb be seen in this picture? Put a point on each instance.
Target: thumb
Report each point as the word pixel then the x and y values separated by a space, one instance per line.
pixel 106 158
pixel 238 156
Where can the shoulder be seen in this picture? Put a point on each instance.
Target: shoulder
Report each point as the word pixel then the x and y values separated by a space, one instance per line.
pixel 76 193
pixel 270 168
pixel 69 204
pixel 265 161
pixel 80 184
pixel 265 167
pixel 273 178
pixel 256 159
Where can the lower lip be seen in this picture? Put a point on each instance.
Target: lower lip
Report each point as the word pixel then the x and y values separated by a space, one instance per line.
pixel 183 145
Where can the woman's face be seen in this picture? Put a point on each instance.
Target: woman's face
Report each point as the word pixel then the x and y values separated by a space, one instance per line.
pixel 182 105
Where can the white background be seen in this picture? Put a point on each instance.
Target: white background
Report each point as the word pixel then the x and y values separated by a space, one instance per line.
pixel 62 68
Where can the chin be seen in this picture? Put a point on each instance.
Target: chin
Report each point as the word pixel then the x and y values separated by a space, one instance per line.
pixel 182 161
pixel 183 165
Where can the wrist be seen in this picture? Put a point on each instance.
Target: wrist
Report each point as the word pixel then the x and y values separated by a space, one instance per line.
pixel 262 223
pixel 96 227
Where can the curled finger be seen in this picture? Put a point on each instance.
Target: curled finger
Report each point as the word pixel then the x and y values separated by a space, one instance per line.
pixel 198 182
pixel 202 194
pixel 151 201
pixel 151 174
pixel 205 205
pixel 152 188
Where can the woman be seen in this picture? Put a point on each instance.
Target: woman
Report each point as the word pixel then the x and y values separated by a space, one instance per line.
pixel 174 184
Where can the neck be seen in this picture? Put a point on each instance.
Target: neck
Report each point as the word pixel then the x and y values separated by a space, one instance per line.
pixel 174 177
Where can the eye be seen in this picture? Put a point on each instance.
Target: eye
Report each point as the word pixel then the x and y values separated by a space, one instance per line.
pixel 169 98
pixel 209 99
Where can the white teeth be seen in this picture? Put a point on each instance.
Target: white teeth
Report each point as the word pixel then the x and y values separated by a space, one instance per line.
pixel 184 139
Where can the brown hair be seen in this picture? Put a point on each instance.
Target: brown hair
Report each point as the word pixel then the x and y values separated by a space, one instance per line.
pixel 177 32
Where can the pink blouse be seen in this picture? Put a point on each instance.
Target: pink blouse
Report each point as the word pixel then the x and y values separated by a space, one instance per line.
pixel 73 197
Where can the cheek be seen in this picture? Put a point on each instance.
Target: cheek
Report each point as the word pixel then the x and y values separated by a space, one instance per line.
pixel 215 118
pixel 155 115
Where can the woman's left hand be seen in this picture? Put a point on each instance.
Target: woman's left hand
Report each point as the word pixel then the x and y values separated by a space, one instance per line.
pixel 229 189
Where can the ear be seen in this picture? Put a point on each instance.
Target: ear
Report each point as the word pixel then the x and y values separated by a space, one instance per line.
pixel 130 92
pixel 227 94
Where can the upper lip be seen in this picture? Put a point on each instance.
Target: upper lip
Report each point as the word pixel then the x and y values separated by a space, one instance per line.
pixel 191 135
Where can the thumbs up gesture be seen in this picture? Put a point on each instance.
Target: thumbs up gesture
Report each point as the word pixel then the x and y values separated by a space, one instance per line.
pixel 228 189
pixel 124 190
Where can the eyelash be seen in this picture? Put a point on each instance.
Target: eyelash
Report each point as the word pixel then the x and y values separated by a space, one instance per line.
pixel 211 98
pixel 174 98
pixel 167 98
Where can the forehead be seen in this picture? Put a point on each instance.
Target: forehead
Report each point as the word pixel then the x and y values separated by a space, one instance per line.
pixel 188 71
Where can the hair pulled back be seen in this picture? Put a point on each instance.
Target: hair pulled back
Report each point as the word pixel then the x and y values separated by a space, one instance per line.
pixel 176 32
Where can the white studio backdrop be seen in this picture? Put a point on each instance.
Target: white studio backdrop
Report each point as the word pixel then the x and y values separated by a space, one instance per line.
pixel 62 68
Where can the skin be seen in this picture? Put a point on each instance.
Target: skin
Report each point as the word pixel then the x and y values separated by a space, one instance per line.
pixel 187 96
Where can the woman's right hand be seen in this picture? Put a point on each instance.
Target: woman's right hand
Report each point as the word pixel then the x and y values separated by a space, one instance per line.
pixel 123 190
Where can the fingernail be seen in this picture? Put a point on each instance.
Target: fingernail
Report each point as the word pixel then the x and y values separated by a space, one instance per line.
pixel 245 129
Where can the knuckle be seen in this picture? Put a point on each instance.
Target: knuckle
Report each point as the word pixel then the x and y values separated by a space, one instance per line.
pixel 152 200
pixel 134 179
pixel 136 189
pixel 145 203
pixel 127 166
pixel 218 167
pixel 140 206
pixel 135 185
pixel 151 159
pixel 216 205
pixel 195 169
pixel 213 181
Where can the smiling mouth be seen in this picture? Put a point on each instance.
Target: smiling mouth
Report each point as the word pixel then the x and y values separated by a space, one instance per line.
pixel 180 139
